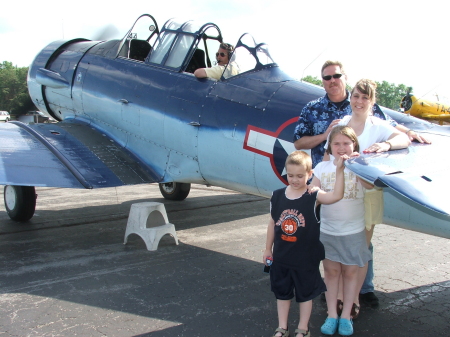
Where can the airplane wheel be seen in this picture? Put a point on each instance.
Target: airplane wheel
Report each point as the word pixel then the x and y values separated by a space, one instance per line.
pixel 175 191
pixel 20 202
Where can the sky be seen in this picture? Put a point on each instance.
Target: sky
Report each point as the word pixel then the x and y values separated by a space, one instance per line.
pixel 385 40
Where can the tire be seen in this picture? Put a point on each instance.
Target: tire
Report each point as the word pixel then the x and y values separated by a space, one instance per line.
pixel 175 191
pixel 20 202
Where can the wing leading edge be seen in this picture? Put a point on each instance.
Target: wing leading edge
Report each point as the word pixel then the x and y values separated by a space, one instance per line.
pixel 416 172
pixel 415 184
pixel 66 154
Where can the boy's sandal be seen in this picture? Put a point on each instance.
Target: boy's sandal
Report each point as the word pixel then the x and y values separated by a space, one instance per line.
pixel 355 311
pixel 284 332
pixel 304 333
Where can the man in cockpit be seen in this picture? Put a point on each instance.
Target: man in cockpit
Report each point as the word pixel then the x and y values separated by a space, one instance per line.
pixel 223 57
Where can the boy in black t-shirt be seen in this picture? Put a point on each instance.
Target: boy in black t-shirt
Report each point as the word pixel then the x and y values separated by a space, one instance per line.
pixel 293 240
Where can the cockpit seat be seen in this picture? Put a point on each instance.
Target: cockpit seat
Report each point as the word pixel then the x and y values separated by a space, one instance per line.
pixel 197 61
pixel 139 49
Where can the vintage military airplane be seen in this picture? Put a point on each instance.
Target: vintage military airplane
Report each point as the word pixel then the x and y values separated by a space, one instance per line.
pixel 425 109
pixel 132 112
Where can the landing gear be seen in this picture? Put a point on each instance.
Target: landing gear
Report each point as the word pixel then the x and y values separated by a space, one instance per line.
pixel 20 202
pixel 175 191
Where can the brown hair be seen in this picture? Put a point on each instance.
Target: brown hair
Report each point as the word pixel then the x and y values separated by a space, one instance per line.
pixel 367 87
pixel 300 158
pixel 346 131
pixel 228 47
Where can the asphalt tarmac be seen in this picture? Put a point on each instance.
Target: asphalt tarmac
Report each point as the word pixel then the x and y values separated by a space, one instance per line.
pixel 68 273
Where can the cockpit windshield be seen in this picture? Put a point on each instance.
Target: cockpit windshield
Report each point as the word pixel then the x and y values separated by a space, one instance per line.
pixel 178 43
pixel 137 43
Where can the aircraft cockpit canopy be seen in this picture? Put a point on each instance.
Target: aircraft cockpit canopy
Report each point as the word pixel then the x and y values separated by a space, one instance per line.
pixel 187 46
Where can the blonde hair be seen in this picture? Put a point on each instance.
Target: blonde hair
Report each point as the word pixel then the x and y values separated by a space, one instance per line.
pixel 367 87
pixel 346 131
pixel 332 63
pixel 300 158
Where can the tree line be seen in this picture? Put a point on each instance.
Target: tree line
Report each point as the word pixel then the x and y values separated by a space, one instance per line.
pixel 14 96
pixel 389 95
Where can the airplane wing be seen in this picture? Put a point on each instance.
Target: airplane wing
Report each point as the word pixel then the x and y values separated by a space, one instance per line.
pixel 442 117
pixel 66 154
pixel 418 173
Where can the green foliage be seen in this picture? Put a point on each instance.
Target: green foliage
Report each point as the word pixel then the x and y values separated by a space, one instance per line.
pixel 313 80
pixel 390 95
pixel 14 95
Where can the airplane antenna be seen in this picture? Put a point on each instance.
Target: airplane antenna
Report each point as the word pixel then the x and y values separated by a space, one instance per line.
pixel 430 91
pixel 301 78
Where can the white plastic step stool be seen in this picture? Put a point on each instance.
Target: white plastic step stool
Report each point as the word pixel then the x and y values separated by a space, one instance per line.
pixel 155 212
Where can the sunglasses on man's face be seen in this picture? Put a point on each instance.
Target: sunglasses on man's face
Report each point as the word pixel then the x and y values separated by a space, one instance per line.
pixel 335 76
pixel 221 54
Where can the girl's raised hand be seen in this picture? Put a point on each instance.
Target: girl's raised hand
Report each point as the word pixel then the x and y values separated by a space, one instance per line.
pixel 340 161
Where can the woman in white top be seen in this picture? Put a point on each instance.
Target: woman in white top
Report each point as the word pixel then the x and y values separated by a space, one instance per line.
pixel 374 134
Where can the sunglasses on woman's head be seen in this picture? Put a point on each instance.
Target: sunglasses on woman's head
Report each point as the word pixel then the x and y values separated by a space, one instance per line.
pixel 335 76
pixel 221 54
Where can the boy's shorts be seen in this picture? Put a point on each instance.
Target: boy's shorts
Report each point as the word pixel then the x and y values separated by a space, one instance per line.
pixel 308 284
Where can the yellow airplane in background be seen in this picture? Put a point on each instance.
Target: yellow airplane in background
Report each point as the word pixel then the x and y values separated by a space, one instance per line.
pixel 425 109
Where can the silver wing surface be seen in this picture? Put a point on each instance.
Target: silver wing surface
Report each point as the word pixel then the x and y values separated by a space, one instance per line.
pixel 66 154
pixel 415 184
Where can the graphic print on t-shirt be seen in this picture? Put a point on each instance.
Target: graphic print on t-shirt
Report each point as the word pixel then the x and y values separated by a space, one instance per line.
pixel 352 188
pixel 289 222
